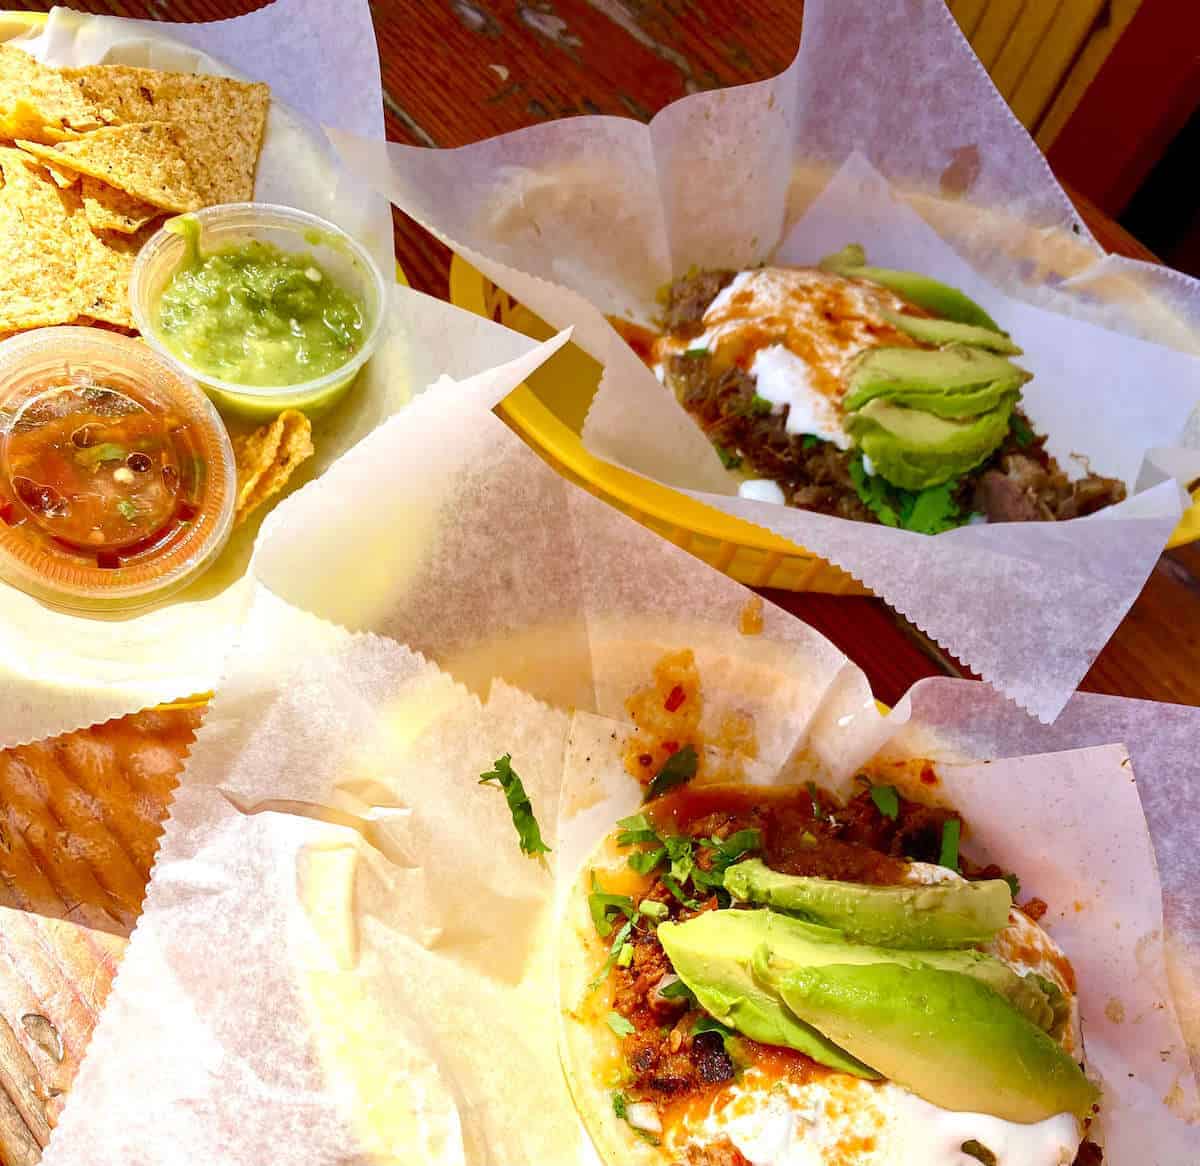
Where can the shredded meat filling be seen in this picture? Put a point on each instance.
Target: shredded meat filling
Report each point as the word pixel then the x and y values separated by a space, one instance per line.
pixel 1019 481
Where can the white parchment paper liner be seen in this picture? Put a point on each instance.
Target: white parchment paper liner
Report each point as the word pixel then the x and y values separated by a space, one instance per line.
pixel 884 130
pixel 345 959
pixel 59 672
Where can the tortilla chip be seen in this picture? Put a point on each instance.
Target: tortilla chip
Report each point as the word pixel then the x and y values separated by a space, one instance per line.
pixel 220 121
pixel 267 458
pixel 37 102
pixel 142 160
pixel 37 247
pixel 62 178
pixel 103 265
pixel 109 209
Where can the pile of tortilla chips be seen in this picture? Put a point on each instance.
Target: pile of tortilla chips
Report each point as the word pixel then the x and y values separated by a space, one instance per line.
pixel 91 159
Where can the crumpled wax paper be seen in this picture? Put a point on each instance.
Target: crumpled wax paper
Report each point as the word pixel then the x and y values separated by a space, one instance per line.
pixel 60 672
pixel 344 958
pixel 884 130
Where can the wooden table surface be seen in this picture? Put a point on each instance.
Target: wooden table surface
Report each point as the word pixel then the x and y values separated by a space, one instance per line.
pixel 456 71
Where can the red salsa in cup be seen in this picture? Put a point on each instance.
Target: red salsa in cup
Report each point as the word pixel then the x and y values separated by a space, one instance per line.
pixel 116 475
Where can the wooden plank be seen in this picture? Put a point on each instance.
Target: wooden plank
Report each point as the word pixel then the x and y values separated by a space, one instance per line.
pixel 968 13
pixel 1053 55
pixel 1095 52
pixel 1141 98
pixel 992 33
pixel 1019 50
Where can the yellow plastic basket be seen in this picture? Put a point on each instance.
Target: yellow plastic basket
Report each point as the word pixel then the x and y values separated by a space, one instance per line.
pixel 549 410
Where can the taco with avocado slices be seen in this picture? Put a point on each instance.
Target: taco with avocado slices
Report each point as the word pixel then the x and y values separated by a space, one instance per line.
pixel 861 392
pixel 767 976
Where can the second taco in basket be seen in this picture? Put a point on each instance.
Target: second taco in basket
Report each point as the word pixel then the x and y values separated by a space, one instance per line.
pixel 861 392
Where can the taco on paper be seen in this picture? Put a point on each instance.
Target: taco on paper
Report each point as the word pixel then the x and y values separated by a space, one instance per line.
pixel 768 976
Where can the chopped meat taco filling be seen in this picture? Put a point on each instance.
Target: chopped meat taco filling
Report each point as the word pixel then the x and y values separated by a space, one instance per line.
pixel 861 392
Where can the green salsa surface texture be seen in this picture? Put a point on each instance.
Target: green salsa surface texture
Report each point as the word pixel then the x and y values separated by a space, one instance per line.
pixel 256 315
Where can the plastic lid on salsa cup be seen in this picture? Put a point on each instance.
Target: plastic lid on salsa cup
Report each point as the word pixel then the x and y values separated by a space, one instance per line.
pixel 117 477
pixel 231 225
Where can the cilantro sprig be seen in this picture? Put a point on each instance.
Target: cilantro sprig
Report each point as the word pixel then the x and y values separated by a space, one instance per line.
pixel 529 834
pixel 886 800
pixel 929 511
pixel 951 829
pixel 679 768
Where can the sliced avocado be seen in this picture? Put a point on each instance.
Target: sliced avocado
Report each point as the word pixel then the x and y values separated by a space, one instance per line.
pixel 1030 995
pixel 949 382
pixel 941 915
pixel 713 954
pixel 852 255
pixel 914 449
pixel 938 298
pixel 928 330
pixel 947 1037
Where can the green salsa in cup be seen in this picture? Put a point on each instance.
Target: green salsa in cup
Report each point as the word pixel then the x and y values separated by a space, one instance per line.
pixel 256 315
pixel 268 307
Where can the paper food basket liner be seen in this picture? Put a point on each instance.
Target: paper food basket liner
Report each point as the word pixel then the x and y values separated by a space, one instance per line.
pixel 345 958
pixel 885 130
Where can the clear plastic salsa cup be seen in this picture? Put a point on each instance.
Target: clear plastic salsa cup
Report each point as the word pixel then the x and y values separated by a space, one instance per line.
pixel 291 231
pixel 117 476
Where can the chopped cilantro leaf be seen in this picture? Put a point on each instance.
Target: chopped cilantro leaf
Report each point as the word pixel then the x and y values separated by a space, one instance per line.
pixel 730 459
pixel 127 510
pixel 677 991
pixel 619 1024
pixel 811 786
pixel 1021 431
pixel 709 1024
pixel 619 1104
pixel 680 767
pixel 1014 885
pixel 673 886
pixel 603 906
pixel 614 954
pixel 886 801
pixel 733 847
pixel 951 829
pixel 644 861
pixel 695 353
pixel 529 834
pixel 759 406
pixel 636 828
pixel 928 511
pixel 811 441
pixel 723 853
pixel 874 493
pixel 679 850
pixel 931 511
